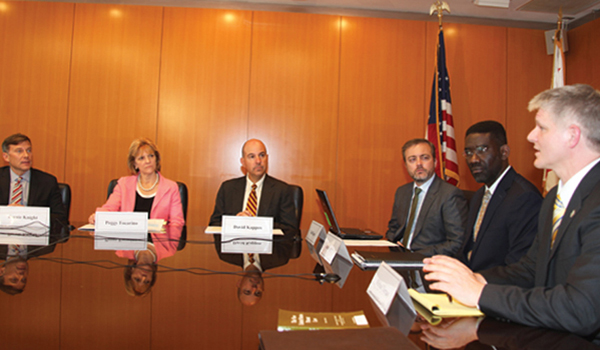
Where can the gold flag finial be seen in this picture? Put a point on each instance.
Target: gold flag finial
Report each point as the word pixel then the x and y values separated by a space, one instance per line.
pixel 559 24
pixel 439 7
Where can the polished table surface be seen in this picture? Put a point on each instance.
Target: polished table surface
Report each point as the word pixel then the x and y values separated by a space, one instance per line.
pixel 75 298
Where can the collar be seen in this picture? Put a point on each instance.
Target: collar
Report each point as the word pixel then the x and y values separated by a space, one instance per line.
pixel 492 188
pixel 259 183
pixel 424 187
pixel 567 189
pixel 14 176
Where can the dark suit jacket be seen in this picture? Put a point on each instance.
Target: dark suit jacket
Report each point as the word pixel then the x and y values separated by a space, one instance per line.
pixel 508 227
pixel 43 192
pixel 440 227
pixel 558 288
pixel 275 201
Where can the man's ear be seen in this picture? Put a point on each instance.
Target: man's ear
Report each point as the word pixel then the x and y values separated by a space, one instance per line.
pixel 574 135
pixel 504 151
pixel 5 156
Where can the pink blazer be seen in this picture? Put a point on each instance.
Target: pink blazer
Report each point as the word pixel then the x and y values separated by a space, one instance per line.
pixel 166 204
pixel 165 244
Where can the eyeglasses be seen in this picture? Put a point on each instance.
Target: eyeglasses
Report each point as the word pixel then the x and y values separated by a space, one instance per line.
pixel 479 150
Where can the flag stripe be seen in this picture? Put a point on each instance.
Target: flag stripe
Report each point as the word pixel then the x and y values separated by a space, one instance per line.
pixel 440 123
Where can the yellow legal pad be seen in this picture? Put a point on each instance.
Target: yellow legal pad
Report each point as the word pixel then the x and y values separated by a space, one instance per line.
pixel 434 307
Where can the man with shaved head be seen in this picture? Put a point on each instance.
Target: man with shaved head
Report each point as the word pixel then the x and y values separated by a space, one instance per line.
pixel 256 194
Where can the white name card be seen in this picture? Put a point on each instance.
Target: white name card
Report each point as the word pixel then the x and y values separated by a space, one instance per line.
pixel 384 287
pixel 331 247
pixel 24 225
pixel 247 234
pixel 121 231
pixel 315 232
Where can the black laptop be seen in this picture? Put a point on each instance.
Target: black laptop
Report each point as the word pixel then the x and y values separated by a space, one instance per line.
pixel 343 232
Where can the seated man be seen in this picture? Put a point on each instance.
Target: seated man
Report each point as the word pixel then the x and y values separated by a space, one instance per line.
pixel 503 214
pixel 20 184
pixel 429 214
pixel 256 194
pixel 556 284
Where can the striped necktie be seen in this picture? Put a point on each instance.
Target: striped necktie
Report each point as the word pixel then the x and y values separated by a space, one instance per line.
pixel 559 212
pixel 481 214
pixel 17 193
pixel 252 202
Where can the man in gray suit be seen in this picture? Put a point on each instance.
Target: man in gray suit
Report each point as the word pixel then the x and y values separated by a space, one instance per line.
pixel 429 214
pixel 556 284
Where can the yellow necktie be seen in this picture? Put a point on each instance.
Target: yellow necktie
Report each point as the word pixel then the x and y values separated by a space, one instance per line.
pixel 559 212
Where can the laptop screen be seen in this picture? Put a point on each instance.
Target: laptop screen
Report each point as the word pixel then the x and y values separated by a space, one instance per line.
pixel 328 211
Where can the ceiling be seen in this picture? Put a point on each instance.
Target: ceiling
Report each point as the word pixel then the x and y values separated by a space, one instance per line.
pixel 538 14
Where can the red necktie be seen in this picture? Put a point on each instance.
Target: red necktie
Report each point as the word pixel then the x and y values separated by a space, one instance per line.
pixel 17 193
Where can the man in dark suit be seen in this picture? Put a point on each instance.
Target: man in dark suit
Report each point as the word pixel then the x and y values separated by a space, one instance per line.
pixel 429 214
pixel 20 184
pixel 273 197
pixel 503 214
pixel 556 284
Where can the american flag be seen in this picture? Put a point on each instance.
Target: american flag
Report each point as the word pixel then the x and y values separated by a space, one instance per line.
pixel 440 124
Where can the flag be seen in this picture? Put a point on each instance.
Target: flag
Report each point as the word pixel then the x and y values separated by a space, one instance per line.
pixel 440 124
pixel 558 80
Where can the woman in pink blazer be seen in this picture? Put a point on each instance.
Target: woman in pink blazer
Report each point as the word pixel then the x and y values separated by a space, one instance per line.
pixel 146 190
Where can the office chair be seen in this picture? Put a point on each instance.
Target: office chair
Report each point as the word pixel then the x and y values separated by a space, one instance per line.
pixel 65 195
pixel 298 199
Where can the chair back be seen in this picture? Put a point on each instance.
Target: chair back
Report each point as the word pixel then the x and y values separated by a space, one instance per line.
pixel 298 199
pixel 65 195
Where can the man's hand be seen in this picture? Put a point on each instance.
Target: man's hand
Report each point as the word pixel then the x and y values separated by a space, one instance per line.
pixel 15 205
pixel 244 213
pixel 454 278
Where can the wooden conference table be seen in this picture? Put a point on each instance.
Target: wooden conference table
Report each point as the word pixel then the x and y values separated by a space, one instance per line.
pixel 75 298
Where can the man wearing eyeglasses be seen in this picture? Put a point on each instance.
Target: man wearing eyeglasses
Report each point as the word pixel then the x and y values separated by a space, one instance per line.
pixel 503 214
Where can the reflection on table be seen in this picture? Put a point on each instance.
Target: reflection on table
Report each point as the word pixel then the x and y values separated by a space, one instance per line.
pixel 75 297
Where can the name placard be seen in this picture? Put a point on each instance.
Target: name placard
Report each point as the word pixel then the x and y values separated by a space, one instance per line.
pixel 121 231
pixel 24 225
pixel 384 287
pixel 315 232
pixel 331 247
pixel 314 240
pixel 247 234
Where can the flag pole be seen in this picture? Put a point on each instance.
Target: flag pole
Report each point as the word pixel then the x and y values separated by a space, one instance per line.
pixel 438 8
pixel 549 178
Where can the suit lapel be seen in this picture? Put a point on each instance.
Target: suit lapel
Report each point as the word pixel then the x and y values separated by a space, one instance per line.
pixel 266 197
pixel 160 193
pixel 583 190
pixel 429 197
pixel 34 189
pixel 237 196
pixel 495 202
pixel 403 210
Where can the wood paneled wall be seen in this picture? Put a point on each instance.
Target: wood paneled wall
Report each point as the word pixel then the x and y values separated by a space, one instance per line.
pixel 334 98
